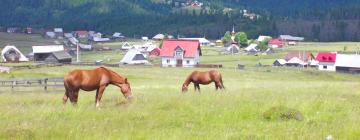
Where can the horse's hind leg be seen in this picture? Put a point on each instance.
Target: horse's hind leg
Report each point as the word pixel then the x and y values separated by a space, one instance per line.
pixel 216 86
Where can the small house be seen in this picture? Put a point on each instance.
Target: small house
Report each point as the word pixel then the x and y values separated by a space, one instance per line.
pixel 98 39
pixel 159 37
pixel 28 30
pixel 42 52
pixel 262 38
pixel 291 40
pixel 144 38
pixel 59 57
pixel 50 34
pixel 59 32
pixel 347 63
pixel 202 41
pixel 134 56
pixel 233 49
pixel 155 52
pixel 299 58
pixel 82 34
pixel 118 35
pixel 12 54
pixel 279 62
pixel 126 46
pixel 252 49
pixel 326 61
pixel 13 30
pixel 276 43
pixel 180 53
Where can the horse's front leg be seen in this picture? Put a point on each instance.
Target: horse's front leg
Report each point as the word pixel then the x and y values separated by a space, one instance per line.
pixel 198 87
pixel 100 92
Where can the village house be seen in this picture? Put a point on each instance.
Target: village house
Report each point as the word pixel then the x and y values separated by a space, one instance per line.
pixel 59 32
pixel 52 53
pixel 134 56
pixel 12 54
pixel 347 63
pixel 276 43
pixel 202 41
pixel 126 46
pixel 252 49
pixel 291 40
pixel 159 37
pixel 262 38
pixel 299 58
pixel 13 30
pixel 326 61
pixel 180 53
pixel 81 34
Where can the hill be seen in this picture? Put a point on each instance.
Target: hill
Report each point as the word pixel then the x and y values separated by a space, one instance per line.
pixel 148 17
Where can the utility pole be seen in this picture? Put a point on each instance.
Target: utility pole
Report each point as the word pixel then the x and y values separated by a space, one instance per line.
pixel 77 52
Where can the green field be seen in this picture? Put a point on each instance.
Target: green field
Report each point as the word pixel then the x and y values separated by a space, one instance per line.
pixel 328 101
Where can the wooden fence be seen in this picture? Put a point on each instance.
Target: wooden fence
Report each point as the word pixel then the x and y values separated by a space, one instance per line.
pixel 32 82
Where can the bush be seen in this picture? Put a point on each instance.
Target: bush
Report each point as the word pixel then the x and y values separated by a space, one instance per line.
pixel 283 113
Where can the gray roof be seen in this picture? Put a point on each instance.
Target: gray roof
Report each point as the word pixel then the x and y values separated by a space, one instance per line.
pixel 347 60
pixel 60 55
pixel 134 56
pixel 291 38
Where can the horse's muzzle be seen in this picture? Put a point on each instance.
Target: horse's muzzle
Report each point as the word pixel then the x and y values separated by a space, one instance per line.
pixel 130 98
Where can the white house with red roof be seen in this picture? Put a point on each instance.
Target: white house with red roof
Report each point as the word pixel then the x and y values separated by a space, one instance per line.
pixel 276 43
pixel 327 61
pixel 180 53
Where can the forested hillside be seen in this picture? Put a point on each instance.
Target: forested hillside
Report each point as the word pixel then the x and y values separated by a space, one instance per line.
pixel 321 20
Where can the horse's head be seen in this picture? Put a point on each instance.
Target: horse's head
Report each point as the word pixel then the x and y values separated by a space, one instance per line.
pixel 126 89
pixel 184 87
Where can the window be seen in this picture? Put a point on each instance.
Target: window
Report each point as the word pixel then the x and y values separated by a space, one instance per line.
pixel 324 67
pixel 187 61
pixel 167 60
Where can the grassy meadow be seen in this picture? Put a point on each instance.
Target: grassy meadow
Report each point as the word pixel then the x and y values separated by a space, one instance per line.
pixel 328 101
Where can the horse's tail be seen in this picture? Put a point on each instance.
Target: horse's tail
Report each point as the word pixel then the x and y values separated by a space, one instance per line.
pixel 221 81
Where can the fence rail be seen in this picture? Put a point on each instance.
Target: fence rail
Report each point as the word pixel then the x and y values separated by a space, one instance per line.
pixel 32 82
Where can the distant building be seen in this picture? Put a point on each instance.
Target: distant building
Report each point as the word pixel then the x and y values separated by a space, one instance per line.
pixel 159 37
pixel 134 56
pixel 326 61
pixel 291 40
pixel 299 58
pixel 13 30
pixel 12 54
pixel 202 41
pixel 264 38
pixel 42 52
pixel 82 34
pixel 180 53
pixel 347 63
pixel 276 43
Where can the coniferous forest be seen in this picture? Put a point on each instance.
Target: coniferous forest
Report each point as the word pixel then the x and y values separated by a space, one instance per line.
pixel 320 20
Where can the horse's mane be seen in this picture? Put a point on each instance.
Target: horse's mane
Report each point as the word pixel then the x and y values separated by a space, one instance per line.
pixel 112 72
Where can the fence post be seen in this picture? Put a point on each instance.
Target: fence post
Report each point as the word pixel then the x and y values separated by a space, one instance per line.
pixel 12 85
pixel 45 84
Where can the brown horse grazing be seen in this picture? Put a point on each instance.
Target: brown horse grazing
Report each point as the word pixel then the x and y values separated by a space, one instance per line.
pixel 203 78
pixel 97 79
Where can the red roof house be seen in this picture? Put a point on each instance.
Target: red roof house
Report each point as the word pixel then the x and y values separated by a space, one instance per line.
pixel 180 52
pixel 82 34
pixel 155 52
pixel 276 43
pixel 326 61
pixel 326 57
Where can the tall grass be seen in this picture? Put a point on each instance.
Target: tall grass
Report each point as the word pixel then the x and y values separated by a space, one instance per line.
pixel 329 102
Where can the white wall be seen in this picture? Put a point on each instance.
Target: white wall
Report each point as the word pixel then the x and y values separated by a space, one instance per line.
pixel 329 66
pixel 164 62
pixel 172 61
